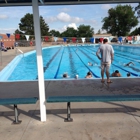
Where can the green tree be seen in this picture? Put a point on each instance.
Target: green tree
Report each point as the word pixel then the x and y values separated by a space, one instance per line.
pixel 27 26
pixel 120 20
pixel 136 32
pixel 70 32
pixel 44 27
pixel 22 36
pixel 99 31
pixel 137 9
pixel 55 33
pixel 85 31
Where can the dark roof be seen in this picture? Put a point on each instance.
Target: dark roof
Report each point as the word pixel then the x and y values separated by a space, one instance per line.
pixel 61 2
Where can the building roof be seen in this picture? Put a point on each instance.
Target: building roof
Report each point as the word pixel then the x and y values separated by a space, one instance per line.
pixel 102 35
pixel 61 2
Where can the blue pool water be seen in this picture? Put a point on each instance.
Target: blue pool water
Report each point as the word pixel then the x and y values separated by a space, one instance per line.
pixel 74 60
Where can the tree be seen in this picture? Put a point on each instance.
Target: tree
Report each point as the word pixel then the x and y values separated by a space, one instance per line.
pixel 70 32
pixel 85 31
pixel 27 26
pixel 136 32
pixel 137 9
pixel 44 27
pixel 55 33
pixel 120 21
pixel 22 37
pixel 99 31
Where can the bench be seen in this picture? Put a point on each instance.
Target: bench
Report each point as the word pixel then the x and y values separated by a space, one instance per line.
pixel 15 102
pixel 99 98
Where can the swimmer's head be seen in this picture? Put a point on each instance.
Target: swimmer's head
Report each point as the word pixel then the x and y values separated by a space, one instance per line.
pixel 128 74
pixel 65 75
pixel 89 73
pixel 116 71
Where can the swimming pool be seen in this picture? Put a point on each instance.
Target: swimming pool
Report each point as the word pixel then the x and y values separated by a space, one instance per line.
pixel 72 60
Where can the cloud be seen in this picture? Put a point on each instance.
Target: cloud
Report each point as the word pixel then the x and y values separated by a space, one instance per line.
pixel 106 6
pixel 7 30
pixel 64 17
pixel 64 28
pixel 73 25
pixel 3 16
pixel 17 12
pixel 51 19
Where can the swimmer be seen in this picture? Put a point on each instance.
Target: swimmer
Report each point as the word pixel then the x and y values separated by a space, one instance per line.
pixel 90 64
pixel 128 64
pixel 89 75
pixel 76 76
pixel 128 74
pixel 65 75
pixel 116 74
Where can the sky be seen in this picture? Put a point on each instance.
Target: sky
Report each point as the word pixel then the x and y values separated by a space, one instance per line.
pixel 58 17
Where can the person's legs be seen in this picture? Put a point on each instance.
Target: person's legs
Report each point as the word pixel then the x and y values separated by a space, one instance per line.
pixel 108 73
pixel 102 72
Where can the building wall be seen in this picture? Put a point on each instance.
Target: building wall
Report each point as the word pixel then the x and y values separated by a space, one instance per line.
pixel 8 42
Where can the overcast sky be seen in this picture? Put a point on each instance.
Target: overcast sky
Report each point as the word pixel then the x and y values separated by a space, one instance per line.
pixel 57 17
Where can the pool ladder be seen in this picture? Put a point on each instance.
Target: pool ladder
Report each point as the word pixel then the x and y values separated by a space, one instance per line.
pixel 18 50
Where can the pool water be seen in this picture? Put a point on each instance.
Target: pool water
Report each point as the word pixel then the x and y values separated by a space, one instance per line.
pixel 74 60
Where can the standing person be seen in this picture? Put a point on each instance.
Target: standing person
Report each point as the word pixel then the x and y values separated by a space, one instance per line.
pixel 3 48
pixel 106 52
pixel 15 44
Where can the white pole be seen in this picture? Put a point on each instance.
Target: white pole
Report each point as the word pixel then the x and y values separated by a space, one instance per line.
pixel 0 56
pixel 41 82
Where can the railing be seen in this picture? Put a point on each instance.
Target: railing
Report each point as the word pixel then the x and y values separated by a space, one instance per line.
pixel 18 50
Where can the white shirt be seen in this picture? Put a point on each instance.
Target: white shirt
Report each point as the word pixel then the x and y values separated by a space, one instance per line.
pixel 106 50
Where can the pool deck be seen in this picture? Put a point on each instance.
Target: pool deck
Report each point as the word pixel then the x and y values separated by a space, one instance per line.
pixel 92 121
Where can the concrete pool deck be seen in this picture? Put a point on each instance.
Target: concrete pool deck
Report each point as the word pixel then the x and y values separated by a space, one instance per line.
pixel 92 121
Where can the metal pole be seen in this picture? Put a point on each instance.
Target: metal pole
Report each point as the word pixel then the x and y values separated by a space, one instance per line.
pixel 68 119
pixel 41 82
pixel 0 56
pixel 16 115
